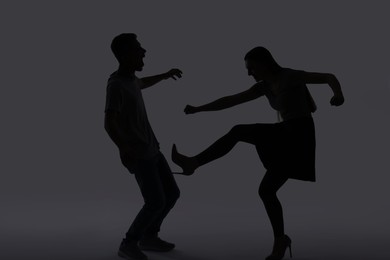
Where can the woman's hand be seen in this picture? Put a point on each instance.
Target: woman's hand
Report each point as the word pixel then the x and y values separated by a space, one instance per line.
pixel 337 100
pixel 190 109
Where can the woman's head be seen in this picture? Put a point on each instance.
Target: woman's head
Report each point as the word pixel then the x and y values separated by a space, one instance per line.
pixel 260 63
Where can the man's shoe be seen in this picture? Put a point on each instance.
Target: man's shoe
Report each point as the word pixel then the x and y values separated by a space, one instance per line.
pixel 130 250
pixel 155 244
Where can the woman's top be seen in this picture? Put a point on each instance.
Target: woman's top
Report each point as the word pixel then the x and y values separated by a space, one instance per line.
pixel 289 96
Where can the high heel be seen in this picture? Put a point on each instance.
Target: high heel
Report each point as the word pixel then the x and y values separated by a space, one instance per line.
pixel 183 161
pixel 280 246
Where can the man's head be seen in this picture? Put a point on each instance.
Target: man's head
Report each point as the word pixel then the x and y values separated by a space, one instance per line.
pixel 128 51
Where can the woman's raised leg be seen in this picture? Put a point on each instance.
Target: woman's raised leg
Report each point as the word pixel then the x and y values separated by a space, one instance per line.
pixel 239 133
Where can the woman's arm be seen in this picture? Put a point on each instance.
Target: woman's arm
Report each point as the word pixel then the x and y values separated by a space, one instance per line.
pixel 254 92
pixel 324 78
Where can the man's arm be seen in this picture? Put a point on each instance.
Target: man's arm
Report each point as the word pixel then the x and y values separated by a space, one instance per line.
pixel 147 82
pixel 112 127
pixel 254 92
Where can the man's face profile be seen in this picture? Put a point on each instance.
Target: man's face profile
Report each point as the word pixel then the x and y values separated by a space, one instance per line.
pixel 134 56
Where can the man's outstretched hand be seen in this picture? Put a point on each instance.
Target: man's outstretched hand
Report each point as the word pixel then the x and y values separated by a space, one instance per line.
pixel 173 73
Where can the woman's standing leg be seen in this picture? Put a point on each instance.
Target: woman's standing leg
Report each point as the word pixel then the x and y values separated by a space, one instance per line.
pixel 269 186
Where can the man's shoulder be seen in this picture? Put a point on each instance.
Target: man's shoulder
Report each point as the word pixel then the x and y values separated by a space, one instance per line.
pixel 114 83
pixel 118 81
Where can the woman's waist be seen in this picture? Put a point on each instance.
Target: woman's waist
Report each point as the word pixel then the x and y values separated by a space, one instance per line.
pixel 304 117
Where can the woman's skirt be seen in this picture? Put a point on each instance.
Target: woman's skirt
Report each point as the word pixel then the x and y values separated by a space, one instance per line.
pixel 288 148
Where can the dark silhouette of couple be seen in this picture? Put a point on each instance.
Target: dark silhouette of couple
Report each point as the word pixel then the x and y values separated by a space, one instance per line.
pixel 286 148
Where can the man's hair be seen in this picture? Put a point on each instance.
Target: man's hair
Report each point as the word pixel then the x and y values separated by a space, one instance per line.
pixel 262 55
pixel 120 44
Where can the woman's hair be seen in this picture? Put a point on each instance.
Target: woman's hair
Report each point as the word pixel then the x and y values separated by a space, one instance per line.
pixel 120 44
pixel 261 54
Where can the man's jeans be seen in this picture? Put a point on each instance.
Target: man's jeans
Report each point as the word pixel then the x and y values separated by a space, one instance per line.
pixel 160 192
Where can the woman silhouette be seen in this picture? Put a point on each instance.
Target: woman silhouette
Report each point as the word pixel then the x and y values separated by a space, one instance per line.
pixel 287 148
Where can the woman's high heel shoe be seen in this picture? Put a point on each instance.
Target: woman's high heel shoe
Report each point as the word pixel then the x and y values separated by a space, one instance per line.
pixel 279 249
pixel 186 163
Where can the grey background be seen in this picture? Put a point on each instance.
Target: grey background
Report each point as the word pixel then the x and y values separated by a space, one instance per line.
pixel 64 193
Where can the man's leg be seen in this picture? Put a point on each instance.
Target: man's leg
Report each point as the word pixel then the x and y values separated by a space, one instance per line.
pixel 151 241
pixel 146 174
pixel 148 179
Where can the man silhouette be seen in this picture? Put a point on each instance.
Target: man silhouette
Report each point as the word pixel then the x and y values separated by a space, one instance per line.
pixel 128 126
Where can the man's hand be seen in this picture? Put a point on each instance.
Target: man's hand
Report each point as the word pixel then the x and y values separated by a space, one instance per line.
pixel 173 73
pixel 147 82
pixel 337 100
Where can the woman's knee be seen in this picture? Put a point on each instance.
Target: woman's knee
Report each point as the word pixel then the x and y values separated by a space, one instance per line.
pixel 236 131
pixel 265 193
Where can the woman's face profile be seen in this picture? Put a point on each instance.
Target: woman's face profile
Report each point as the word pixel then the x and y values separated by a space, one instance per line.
pixel 255 69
